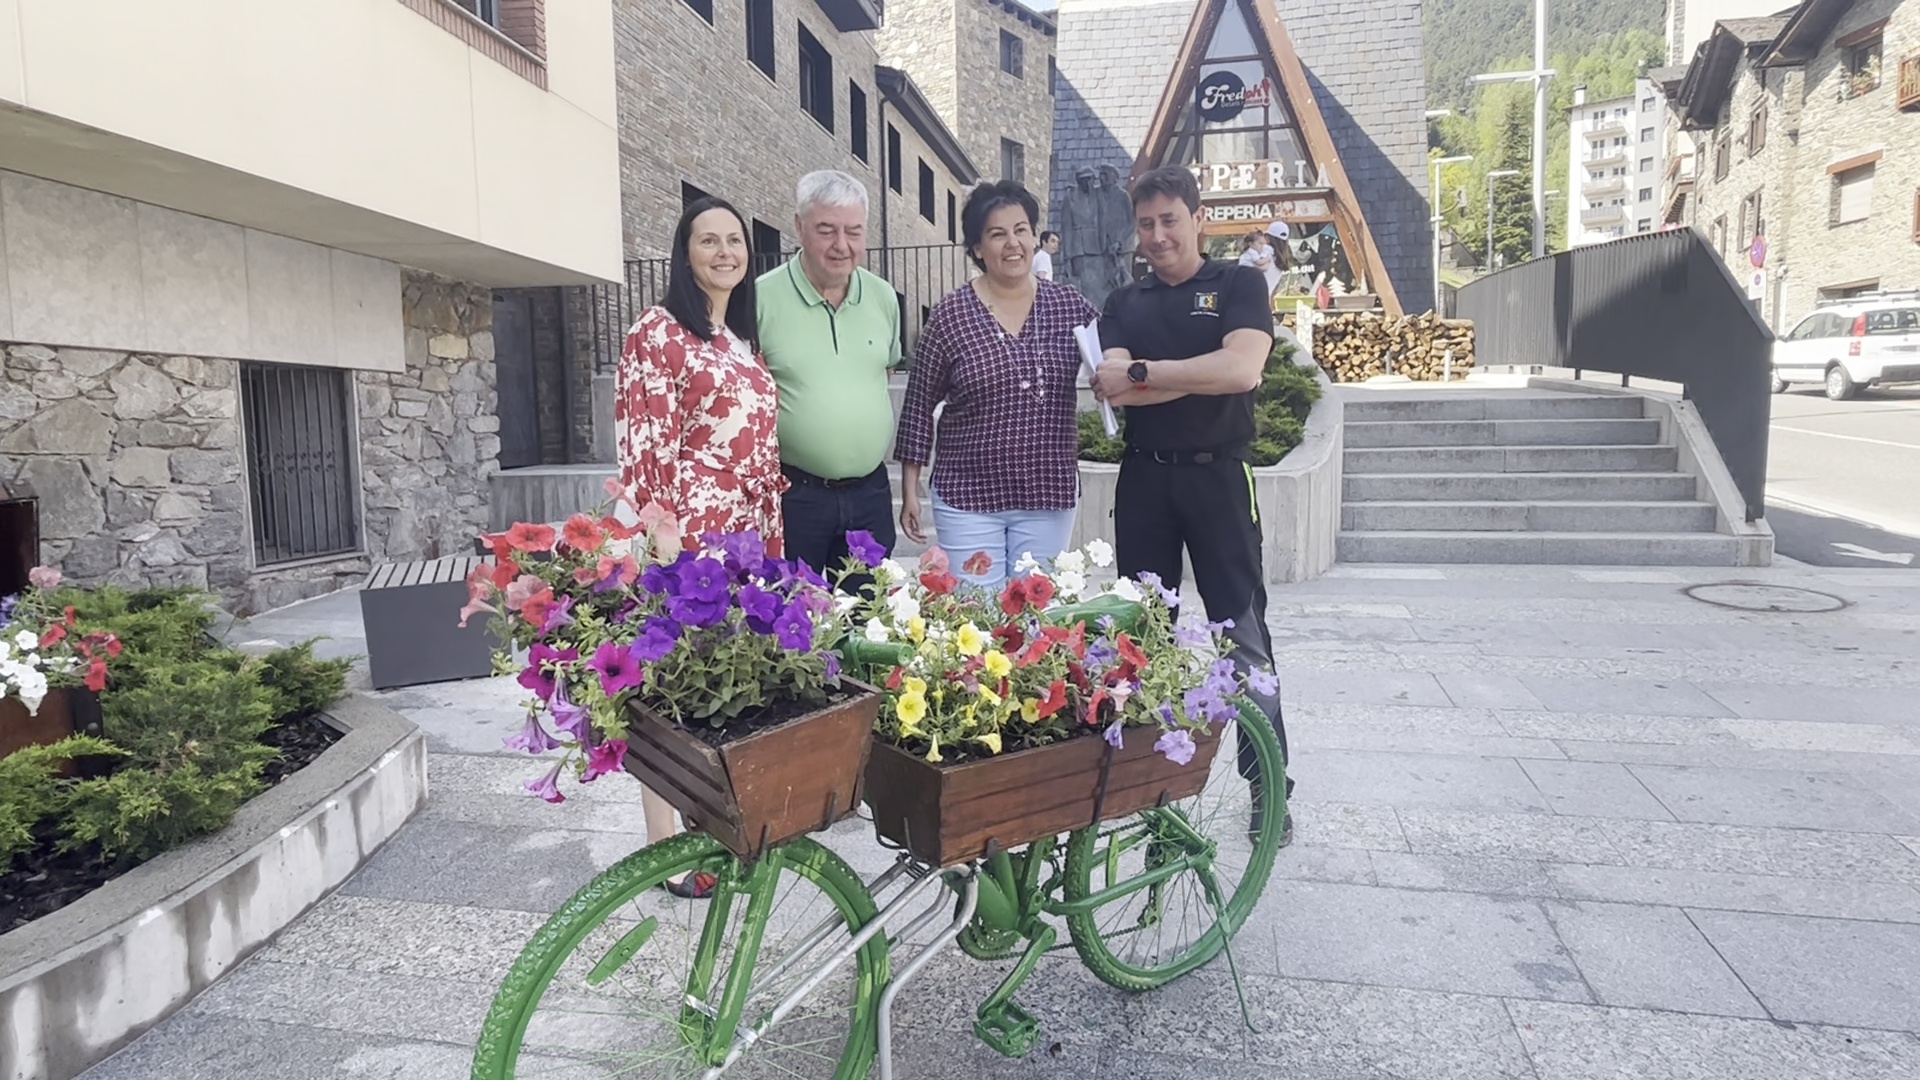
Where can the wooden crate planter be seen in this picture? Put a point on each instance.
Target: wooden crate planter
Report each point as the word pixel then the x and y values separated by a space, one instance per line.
pixel 767 788
pixel 946 816
pixel 65 711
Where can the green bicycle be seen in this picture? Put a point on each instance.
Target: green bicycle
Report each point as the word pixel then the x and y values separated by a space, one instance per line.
pixel 786 970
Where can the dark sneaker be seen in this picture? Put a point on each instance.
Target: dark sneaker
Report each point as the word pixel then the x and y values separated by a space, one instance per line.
pixel 1286 830
pixel 1257 820
pixel 698 885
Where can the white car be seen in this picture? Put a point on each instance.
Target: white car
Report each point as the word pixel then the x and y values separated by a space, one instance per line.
pixel 1846 344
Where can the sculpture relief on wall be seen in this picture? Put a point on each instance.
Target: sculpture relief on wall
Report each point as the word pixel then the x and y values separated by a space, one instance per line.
pixel 1096 234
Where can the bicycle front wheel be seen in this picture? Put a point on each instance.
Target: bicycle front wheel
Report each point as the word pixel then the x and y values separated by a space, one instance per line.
pixel 628 981
pixel 1229 833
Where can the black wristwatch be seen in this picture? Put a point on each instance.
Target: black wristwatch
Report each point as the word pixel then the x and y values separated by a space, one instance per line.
pixel 1137 373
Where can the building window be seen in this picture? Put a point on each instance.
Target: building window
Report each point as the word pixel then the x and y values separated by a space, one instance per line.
pixel 1644 225
pixel 760 35
pixel 816 80
pixel 1852 194
pixel 1646 104
pixel 1860 63
pixel 1757 130
pixel 1751 224
pixel 766 246
pixel 893 158
pixel 702 8
pixel 302 475
pixel 1722 157
pixel 1013 161
pixel 487 11
pixel 1646 193
pixel 1718 234
pixel 1013 55
pixel 927 194
pixel 1646 163
pixel 1620 112
pixel 1646 134
pixel 857 119
pixel 953 217
pixel 1053 77
pixel 690 195
pixel 1916 215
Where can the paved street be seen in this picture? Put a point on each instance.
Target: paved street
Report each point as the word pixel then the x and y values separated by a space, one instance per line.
pixel 1840 483
pixel 1554 824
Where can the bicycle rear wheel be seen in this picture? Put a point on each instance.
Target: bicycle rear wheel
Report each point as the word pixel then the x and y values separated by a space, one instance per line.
pixel 1143 939
pixel 627 981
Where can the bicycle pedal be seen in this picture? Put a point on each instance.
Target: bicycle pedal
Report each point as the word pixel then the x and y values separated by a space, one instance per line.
pixel 1009 1029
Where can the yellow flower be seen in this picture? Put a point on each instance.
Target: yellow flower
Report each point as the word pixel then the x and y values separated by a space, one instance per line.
pixel 917 629
pixel 991 740
pixel 933 754
pixel 987 695
pixel 966 722
pixel 911 709
pixel 969 640
pixel 915 685
pixel 1030 710
pixel 997 664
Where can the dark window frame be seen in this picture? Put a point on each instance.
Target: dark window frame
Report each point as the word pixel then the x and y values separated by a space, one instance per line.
pixel 953 217
pixel 702 8
pixel 894 179
pixel 1013 160
pixel 857 122
pixel 815 75
pixel 929 191
pixel 762 43
pixel 300 430
pixel 1013 54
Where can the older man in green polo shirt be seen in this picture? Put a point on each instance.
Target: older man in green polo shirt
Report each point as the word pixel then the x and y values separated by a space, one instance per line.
pixel 830 331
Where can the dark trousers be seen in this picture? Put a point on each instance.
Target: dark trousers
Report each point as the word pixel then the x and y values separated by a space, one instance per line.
pixel 1209 510
pixel 819 514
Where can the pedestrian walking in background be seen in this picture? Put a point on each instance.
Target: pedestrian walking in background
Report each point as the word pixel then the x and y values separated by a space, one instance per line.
pixel 1185 348
pixel 999 353
pixel 830 331
pixel 696 413
pixel 1256 251
pixel 1043 258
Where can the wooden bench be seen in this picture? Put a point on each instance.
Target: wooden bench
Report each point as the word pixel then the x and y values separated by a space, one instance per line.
pixel 411 611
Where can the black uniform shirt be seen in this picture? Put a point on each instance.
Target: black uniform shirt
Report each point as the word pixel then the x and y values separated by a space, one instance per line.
pixel 1157 321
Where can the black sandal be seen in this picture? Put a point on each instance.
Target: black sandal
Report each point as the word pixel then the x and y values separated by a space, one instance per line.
pixel 698 885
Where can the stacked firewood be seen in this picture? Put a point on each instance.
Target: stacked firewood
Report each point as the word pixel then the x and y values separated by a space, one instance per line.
pixel 1357 345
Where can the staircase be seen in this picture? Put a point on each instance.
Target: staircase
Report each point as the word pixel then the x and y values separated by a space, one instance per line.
pixel 1519 477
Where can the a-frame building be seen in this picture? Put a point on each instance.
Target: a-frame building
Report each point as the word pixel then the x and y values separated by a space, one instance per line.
pixel 1229 97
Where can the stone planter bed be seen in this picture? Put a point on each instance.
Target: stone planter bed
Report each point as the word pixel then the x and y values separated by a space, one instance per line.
pixel 81 982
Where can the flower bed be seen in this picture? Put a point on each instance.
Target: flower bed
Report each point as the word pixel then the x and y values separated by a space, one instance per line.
pixel 1286 396
pixel 191 731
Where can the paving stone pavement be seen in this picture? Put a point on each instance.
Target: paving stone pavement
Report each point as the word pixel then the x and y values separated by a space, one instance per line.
pixel 1553 824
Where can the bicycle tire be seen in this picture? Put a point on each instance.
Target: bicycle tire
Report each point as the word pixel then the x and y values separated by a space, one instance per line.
pixel 1085 855
pixel 502 1037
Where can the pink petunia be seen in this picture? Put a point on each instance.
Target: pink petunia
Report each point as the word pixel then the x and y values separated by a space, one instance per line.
pixel 608 757
pixel 522 589
pixel 44 577
pixel 548 786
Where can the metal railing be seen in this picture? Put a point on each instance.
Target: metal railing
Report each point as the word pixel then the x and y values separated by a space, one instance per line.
pixel 920 276
pixel 1909 96
pixel 302 475
pixel 1660 306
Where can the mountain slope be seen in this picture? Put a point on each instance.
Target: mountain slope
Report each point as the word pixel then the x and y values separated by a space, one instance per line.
pixel 1468 37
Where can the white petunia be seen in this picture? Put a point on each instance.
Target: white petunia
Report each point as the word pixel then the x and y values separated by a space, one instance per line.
pixel 1071 562
pixel 27 640
pixel 843 603
pixel 903 606
pixel 32 689
pixel 876 631
pixel 6 651
pixel 1070 584
pixel 1026 563
pixel 1125 589
pixel 1100 552
pixel 891 571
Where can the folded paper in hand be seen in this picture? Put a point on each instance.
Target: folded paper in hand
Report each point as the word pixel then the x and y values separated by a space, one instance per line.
pixel 1088 337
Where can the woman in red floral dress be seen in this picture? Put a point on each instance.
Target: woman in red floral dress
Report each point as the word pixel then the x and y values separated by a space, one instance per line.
pixel 695 410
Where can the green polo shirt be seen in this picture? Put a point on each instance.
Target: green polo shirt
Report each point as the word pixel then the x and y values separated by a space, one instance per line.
pixel 836 420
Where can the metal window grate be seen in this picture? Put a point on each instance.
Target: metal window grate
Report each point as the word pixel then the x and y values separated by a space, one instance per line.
pixel 301 468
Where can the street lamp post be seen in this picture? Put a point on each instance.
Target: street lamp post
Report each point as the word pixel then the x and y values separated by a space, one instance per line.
pixel 1539 77
pixel 1497 174
pixel 1438 163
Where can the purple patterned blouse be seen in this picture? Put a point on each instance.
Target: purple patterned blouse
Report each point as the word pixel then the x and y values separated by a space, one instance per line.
pixel 1009 435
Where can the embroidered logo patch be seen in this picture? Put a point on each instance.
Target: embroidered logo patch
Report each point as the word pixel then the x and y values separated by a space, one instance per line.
pixel 1206 303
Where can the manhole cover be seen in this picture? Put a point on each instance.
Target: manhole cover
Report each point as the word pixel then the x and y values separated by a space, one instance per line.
pixel 1749 597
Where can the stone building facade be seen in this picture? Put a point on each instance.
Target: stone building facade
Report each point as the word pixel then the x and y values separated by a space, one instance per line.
pixel 987 67
pixel 1834 184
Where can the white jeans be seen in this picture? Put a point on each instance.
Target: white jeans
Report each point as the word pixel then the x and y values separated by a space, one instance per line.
pixel 1004 537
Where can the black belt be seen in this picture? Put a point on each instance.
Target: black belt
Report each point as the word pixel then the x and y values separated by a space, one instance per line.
pixel 1189 457
pixel 806 479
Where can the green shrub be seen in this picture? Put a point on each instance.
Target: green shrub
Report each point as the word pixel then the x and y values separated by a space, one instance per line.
pixel 1286 395
pixel 32 792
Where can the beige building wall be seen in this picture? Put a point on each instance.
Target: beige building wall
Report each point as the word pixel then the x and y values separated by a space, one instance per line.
pixel 363 125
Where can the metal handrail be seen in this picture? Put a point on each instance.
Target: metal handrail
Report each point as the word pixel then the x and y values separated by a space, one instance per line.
pixel 1661 306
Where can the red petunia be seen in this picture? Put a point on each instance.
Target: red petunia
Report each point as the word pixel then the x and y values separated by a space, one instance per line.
pixel 504 572
pixel 1009 637
pixel 1130 651
pixel 1056 698
pixel 1013 599
pixel 894 679
pixel 977 563
pixel 97 675
pixel 54 635
pixel 526 536
pixel 582 534
pixel 537 606
pixel 939 583
pixel 1039 590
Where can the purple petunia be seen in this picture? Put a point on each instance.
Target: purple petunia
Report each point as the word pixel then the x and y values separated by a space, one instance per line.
pixel 1152 580
pixel 863 547
pixel 567 717
pixel 619 669
pixel 659 638
pixel 746 553
pixel 605 758
pixel 795 628
pixel 1191 637
pixel 536 677
pixel 1264 682
pixel 833 667
pixel 548 786
pixel 1112 734
pixel 702 579
pixel 761 608
pixel 531 738
pixel 656 579
pixel 699 614
pixel 1101 654
pixel 1177 746
pixel 559 615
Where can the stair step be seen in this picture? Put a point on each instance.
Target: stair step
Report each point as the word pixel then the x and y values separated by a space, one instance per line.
pixel 1577 432
pixel 1511 459
pixel 1539 548
pixel 1570 517
pixel 1518 487
pixel 1456 406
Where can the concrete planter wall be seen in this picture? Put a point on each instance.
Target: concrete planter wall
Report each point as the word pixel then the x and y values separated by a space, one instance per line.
pixel 82 982
pixel 1299 498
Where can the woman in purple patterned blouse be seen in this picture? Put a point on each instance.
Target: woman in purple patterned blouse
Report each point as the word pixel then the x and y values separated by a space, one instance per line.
pixel 999 353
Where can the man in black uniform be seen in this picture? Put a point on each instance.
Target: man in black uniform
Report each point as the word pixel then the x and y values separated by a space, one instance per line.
pixel 1185 348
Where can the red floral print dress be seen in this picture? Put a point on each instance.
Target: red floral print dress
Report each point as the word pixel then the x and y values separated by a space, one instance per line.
pixel 696 428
